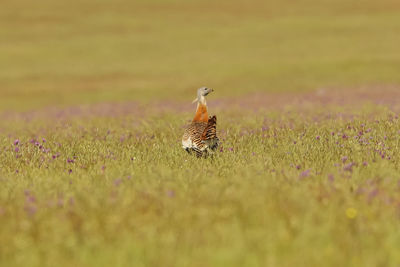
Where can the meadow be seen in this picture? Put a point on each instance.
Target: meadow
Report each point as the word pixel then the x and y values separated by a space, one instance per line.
pixel 94 97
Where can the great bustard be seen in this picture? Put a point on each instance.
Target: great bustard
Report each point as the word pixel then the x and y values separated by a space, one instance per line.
pixel 201 135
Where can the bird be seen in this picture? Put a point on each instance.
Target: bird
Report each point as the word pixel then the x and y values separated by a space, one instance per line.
pixel 200 136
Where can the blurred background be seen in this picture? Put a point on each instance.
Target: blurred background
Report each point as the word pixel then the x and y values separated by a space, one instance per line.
pixel 61 53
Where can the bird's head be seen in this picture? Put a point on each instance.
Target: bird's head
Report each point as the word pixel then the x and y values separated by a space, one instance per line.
pixel 201 93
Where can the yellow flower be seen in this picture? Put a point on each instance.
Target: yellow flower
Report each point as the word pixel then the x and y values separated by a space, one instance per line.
pixel 351 213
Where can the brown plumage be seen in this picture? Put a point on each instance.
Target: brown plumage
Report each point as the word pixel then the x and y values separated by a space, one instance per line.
pixel 201 135
pixel 209 136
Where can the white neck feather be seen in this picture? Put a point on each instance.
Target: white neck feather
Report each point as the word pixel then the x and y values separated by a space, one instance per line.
pixel 202 100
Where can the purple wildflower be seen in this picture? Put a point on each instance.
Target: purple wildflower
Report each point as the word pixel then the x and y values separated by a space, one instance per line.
pixel 70 160
pixel 16 149
pixel 60 202
pixel 171 193
pixel 43 140
pixel 16 142
pixel 344 159
pixel 318 137
pixel 117 182
pixel 31 210
pixel 373 194
pixel 360 190
pixel 71 201
pixel 70 171
pixel 30 199
pixel 304 174
pixel 349 167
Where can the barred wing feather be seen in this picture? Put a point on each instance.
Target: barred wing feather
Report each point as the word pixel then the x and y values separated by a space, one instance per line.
pixel 209 136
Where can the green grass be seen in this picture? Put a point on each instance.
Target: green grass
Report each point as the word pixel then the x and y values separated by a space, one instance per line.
pixel 263 201
pixel 97 94
pixel 62 53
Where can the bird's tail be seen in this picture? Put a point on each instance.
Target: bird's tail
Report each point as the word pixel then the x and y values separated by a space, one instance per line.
pixel 209 136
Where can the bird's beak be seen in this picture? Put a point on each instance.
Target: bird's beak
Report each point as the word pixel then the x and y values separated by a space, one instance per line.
pixel 210 90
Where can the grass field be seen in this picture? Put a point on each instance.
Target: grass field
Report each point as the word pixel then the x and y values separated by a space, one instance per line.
pixel 94 96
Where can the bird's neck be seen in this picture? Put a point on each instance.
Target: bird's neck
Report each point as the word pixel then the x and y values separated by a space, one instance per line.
pixel 201 112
